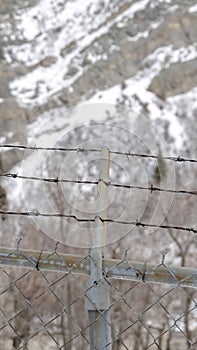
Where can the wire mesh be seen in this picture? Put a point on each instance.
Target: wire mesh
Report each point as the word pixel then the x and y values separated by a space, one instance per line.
pixel 43 308
pixel 43 295
pixel 38 310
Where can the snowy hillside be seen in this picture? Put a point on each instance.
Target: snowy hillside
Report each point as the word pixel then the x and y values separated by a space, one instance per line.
pixel 63 45
pixel 58 34
pixel 137 53
pixel 69 63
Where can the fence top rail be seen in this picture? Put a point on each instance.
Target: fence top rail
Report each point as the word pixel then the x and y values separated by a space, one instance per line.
pixel 112 268
pixel 127 154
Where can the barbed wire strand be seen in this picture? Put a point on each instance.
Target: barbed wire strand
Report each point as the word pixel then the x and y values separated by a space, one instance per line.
pixel 84 150
pixel 57 180
pixel 74 217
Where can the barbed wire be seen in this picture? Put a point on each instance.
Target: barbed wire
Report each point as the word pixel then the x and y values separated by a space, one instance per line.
pixel 57 180
pixel 128 154
pixel 136 223
pixel 40 148
pixel 152 188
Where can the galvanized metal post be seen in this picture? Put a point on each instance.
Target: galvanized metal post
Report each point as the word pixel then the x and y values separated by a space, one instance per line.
pixel 97 288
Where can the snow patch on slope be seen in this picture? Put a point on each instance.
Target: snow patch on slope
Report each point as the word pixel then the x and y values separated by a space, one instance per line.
pixel 37 86
pixel 48 131
pixel 53 26
pixel 138 85
pixel 193 9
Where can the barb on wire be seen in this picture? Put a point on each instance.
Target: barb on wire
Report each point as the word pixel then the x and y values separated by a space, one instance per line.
pixel 152 188
pixel 56 246
pixel 126 253
pixel 163 256
pixel 74 217
pixel 57 180
pixel 142 224
pixel 18 243
pixel 84 150
pixel 141 155
pixel 40 148
pixel 38 260
pixel 37 213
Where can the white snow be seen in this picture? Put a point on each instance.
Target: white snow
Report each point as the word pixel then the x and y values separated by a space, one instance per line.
pixel 193 9
pixel 71 22
pixel 43 82
pixel 74 21
pixel 147 98
pixel 51 125
pixel 80 17
pixel 37 86
pixel 50 35
pixel 159 59
pixel 47 131
pixel 140 35
pixel 187 100
pixel 138 86
pixel 14 188
pixel 39 24
pixel 106 96
pixel 134 8
pixel 173 8
pixel 167 1
pixel 2 140
pixel 184 54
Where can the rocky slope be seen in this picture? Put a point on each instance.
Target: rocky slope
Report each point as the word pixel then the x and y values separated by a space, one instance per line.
pixel 140 54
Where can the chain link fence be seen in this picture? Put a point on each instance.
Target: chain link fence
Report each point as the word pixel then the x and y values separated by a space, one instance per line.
pixel 44 297
pixel 51 300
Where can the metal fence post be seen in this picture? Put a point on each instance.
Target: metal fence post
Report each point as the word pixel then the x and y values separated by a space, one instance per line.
pixel 97 288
